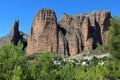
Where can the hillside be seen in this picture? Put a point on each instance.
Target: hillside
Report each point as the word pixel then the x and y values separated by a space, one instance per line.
pixel 117 18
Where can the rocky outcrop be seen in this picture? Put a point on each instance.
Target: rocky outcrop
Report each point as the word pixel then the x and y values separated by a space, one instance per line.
pixel 43 33
pixel 86 32
pixel 71 35
pixel 15 35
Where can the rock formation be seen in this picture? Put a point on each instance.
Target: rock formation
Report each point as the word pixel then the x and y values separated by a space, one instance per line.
pixel 71 35
pixel 85 32
pixel 43 33
pixel 15 35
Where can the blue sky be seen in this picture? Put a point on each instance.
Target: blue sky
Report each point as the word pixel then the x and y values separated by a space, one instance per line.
pixel 25 10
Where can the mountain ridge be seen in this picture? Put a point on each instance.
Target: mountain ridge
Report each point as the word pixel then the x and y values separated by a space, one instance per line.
pixel 69 36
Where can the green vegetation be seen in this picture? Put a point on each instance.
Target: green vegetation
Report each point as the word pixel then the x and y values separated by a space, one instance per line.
pixel 16 65
pixel 12 62
pixel 113 45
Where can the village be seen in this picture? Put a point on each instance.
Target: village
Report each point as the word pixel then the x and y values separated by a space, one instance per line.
pixel 86 60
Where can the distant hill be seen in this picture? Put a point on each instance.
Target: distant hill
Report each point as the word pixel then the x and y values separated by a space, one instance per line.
pixel 117 18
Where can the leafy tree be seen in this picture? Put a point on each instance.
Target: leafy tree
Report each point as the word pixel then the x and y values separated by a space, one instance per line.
pixel 114 39
pixel 17 73
pixel 113 70
pixel 40 67
pixel 66 72
pixel 10 58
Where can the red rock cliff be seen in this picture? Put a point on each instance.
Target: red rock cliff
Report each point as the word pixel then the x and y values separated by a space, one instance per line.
pixel 71 35
pixel 43 33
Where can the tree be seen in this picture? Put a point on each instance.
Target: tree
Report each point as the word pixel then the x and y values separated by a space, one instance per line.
pixel 17 73
pixel 66 72
pixel 114 39
pixel 40 67
pixel 11 59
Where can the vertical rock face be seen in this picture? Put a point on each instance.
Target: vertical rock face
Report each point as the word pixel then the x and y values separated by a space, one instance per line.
pixel 99 27
pixel 14 35
pixel 71 35
pixel 88 31
pixel 43 33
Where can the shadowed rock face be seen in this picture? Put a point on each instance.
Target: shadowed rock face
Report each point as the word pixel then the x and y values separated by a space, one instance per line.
pixel 43 33
pixel 71 35
pixel 88 31
pixel 15 36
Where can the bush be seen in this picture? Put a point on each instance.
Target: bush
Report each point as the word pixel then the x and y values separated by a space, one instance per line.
pixel 11 58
